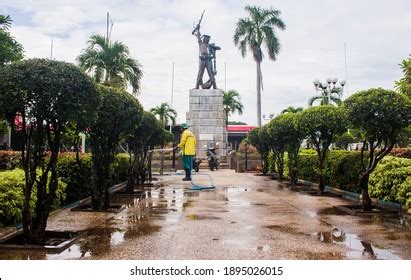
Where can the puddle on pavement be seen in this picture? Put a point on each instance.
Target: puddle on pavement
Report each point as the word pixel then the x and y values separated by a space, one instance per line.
pixel 237 189
pixel 331 211
pixel 135 221
pixel 310 214
pixel 264 248
pixel 259 204
pixel 400 221
pixel 195 217
pixel 285 229
pixel 358 247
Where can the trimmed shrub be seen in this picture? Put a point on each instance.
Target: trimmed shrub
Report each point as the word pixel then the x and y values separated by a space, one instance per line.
pixel 401 152
pixel 10 160
pixel 12 183
pixel 11 196
pixel 120 168
pixel 341 168
pixel 391 180
pixel 77 176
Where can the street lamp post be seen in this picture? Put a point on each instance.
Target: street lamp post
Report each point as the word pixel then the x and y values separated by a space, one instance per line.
pixel 329 87
pixel 268 117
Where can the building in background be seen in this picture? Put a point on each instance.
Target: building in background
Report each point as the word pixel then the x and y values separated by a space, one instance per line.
pixel 236 134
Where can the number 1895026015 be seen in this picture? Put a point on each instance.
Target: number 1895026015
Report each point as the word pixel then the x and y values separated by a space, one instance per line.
pixel 244 270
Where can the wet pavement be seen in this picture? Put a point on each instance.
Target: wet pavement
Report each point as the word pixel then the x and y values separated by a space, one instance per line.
pixel 245 217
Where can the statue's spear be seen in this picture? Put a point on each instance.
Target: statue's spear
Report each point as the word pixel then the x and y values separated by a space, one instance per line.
pixel 198 24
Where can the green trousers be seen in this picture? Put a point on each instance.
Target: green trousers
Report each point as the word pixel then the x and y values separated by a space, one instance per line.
pixel 188 162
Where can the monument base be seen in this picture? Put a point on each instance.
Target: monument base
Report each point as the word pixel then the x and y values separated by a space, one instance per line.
pixel 206 119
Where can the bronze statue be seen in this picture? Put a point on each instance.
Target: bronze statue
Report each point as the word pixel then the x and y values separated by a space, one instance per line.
pixel 207 58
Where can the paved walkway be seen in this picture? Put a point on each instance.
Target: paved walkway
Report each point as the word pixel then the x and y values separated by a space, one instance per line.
pixel 246 217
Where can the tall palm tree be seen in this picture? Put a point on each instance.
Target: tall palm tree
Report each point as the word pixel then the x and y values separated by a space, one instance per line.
pixel 232 103
pixel 164 113
pixel 5 22
pixel 292 109
pixel 254 31
pixel 110 63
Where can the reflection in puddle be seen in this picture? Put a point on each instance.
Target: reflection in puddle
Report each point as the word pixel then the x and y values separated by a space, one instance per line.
pixel 311 214
pixel 136 221
pixel 194 217
pixel 396 220
pixel 264 248
pixel 331 211
pixel 237 189
pixel 359 248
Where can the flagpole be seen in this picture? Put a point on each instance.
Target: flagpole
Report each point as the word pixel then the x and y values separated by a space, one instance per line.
pixel 172 92
pixel 346 75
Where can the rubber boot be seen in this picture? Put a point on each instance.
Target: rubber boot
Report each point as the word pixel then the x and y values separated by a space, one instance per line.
pixel 187 177
pixel 189 174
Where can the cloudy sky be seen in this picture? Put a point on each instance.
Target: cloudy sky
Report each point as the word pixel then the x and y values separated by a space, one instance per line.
pixel 158 33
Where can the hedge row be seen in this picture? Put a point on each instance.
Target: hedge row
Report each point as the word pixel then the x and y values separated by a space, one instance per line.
pixel 74 184
pixel 11 196
pixel 391 181
pixel 401 152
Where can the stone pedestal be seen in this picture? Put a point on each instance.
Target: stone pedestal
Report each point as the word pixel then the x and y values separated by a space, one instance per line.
pixel 206 119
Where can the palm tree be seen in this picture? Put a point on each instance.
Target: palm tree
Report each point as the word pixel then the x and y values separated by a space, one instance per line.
pixel 5 22
pixel 232 103
pixel 164 113
pixel 110 63
pixel 292 109
pixel 252 32
pixel 327 97
pixel 404 85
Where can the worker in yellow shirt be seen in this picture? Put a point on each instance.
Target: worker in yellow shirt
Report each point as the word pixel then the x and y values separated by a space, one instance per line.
pixel 187 147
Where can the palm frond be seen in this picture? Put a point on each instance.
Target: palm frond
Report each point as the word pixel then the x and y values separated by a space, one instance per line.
pixel 271 42
pixel 272 18
pixel 5 22
pixel 315 98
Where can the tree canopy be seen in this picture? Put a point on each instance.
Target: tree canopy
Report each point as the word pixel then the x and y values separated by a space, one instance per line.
pixel 110 63
pixel 322 124
pixel 40 98
pixel 292 109
pixel 164 113
pixel 232 103
pixel 117 116
pixel 10 49
pixel 404 84
pixel 381 115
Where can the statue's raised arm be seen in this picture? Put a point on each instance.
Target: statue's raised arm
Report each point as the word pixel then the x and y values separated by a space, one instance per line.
pixel 207 53
pixel 196 30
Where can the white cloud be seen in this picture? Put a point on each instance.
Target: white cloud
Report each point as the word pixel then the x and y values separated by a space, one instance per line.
pixel 159 32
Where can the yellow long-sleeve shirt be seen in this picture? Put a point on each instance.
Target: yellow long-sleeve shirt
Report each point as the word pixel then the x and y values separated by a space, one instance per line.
pixel 188 143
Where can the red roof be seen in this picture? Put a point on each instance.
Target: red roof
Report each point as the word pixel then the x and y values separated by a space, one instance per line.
pixel 240 128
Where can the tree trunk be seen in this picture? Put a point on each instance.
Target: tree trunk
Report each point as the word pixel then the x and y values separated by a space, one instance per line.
pixel 321 180
pixel 366 203
pixel 258 93
pixel 293 164
pixel 321 184
pixel 280 165
pixel 265 165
